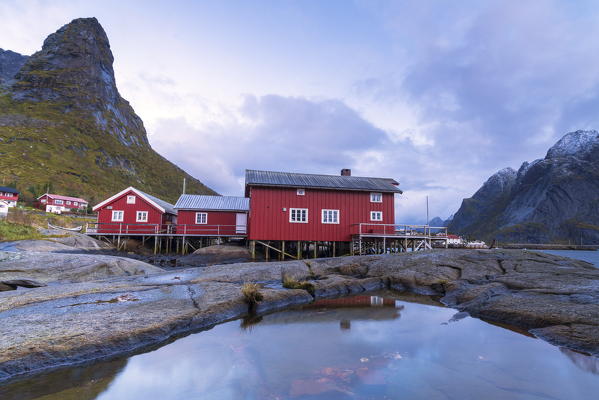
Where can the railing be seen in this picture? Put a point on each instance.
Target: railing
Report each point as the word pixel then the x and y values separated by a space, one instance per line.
pixel 122 228
pixel 400 230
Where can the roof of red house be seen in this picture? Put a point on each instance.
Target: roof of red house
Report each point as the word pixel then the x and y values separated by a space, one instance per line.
pixel 7 189
pixel 336 182
pixel 160 204
pixel 450 236
pixel 212 203
pixel 60 197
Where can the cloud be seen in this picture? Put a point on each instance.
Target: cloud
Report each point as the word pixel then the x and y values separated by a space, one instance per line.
pixel 301 135
pixel 438 95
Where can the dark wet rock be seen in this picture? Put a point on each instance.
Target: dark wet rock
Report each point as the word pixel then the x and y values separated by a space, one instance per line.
pixel 552 297
pixel 26 283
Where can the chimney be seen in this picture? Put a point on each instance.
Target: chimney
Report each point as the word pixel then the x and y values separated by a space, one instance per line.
pixel 346 172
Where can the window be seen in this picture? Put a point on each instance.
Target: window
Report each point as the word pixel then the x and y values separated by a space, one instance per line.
pixel 75 203
pixel 68 203
pixel 376 215
pixel 142 216
pixel 298 215
pixel 130 199
pixel 201 218
pixel 330 216
pixel 43 200
pixel 117 216
pixel 376 197
pixel 57 201
pixel 301 192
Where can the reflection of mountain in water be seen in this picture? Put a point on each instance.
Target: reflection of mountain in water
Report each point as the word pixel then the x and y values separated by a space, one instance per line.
pixel 82 383
pixel 582 361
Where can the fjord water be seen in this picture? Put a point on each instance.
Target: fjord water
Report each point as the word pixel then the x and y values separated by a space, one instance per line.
pixel 584 255
pixel 364 347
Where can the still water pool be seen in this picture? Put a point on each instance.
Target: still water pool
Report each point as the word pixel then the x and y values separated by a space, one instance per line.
pixel 387 346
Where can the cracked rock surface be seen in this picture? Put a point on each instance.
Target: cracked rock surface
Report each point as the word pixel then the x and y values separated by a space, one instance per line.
pixel 82 315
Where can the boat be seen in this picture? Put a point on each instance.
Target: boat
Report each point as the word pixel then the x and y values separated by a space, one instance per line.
pixel 76 229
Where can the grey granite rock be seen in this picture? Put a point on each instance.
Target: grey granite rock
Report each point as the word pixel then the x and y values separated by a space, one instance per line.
pixel 552 297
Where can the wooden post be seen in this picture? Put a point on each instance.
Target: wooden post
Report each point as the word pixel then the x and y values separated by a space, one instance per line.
pixel 334 249
pixel 253 249
pixel 282 256
pixel 267 252
pixel 315 249
pixel 155 244
pixel 299 250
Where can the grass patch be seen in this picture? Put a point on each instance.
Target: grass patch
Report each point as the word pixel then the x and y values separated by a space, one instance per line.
pixel 251 295
pixel 11 231
pixel 292 283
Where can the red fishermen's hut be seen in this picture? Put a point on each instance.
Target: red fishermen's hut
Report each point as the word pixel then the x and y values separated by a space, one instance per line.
pixel 9 195
pixel 133 212
pixel 56 203
pixel 288 206
pixel 216 216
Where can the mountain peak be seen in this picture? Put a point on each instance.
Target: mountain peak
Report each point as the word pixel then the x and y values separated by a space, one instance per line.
pixel 73 71
pixel 574 143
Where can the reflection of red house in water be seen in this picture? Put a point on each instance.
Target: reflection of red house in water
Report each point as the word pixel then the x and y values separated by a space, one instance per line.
pixel 132 211
pixel 356 301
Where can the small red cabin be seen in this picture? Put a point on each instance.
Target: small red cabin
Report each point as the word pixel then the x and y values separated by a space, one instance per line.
pixel 9 195
pixel 58 204
pixel 212 215
pixel 134 212
pixel 308 207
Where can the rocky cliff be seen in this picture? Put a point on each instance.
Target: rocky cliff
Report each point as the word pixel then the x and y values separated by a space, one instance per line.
pixel 64 124
pixel 550 200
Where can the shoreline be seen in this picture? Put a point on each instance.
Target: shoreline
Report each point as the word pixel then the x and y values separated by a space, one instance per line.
pixel 67 324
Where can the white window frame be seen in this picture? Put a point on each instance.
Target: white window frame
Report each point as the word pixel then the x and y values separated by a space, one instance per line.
pixel 43 200
pixel 122 215
pixel 202 221
pixel 301 192
pixel 376 197
pixel 130 199
pixel 68 202
pixel 58 201
pixel 75 203
pixel 143 213
pixel 374 214
pixel 329 216
pixel 293 215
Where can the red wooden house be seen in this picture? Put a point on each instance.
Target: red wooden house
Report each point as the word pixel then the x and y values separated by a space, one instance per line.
pixel 58 204
pixel 305 207
pixel 133 212
pixel 212 215
pixel 9 195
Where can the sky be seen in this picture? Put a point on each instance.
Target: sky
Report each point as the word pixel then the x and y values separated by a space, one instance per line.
pixel 436 94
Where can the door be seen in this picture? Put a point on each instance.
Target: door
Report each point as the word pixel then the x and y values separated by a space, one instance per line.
pixel 241 220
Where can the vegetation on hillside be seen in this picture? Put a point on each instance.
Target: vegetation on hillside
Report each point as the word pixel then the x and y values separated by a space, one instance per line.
pixel 42 147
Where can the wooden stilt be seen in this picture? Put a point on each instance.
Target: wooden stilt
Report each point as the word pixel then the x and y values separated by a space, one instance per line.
pixel 267 252
pixel 282 250
pixel 334 249
pixel 298 250
pixel 253 249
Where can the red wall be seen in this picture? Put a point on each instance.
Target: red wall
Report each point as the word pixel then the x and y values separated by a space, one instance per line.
pixel 51 202
pixel 268 221
pixel 129 225
pixel 222 218
pixel 10 196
